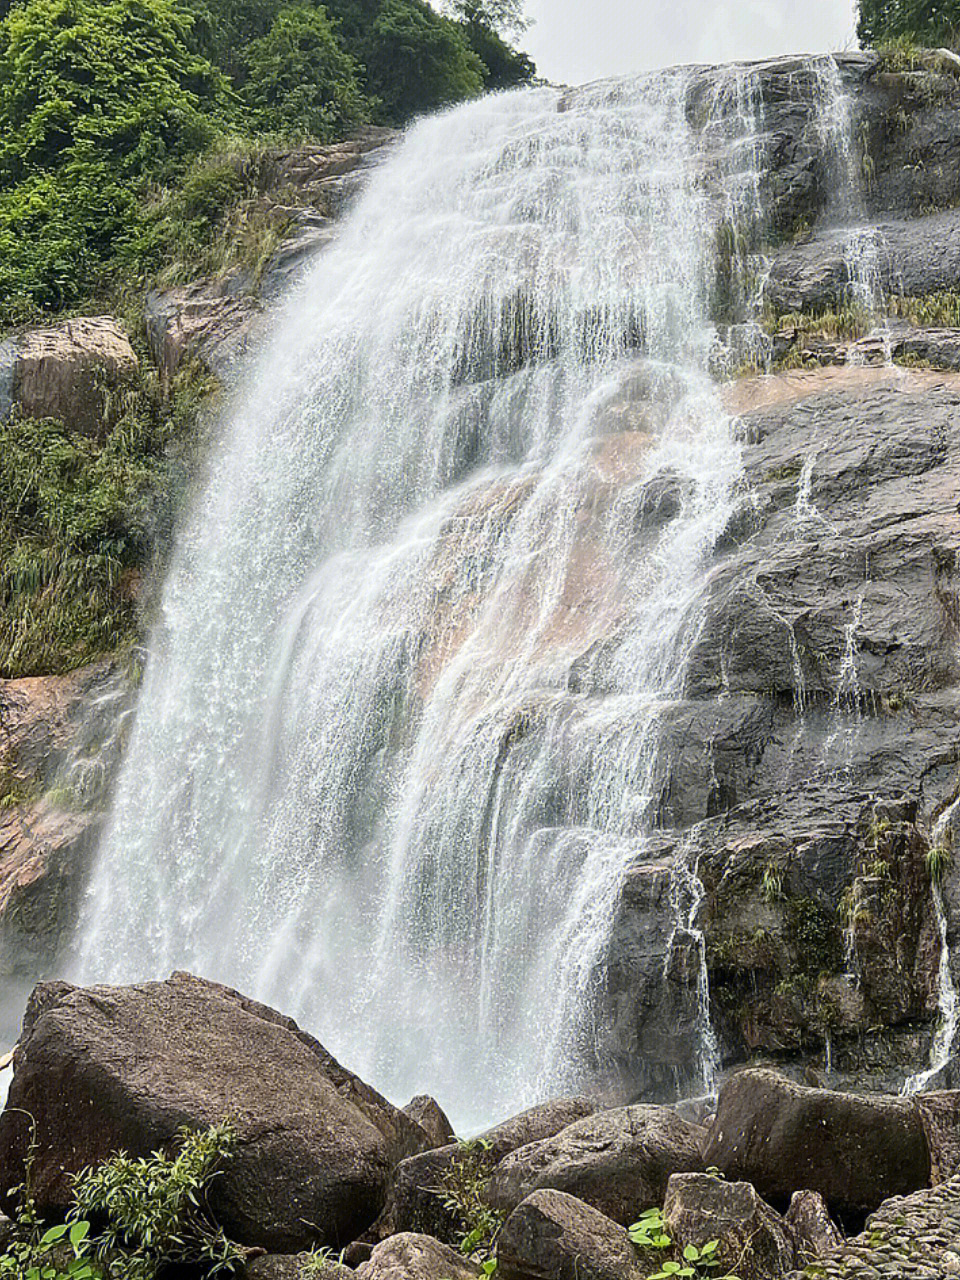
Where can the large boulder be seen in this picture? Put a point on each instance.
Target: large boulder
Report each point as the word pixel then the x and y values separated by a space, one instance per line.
pixel 75 371
pixel 618 1161
pixel 856 1151
pixel 409 1256
pixel 940 1116
pixel 755 1242
pixel 123 1068
pixel 554 1236
pixel 416 1195
pixel 295 1266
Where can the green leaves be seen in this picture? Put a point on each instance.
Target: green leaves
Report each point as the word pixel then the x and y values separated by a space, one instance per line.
pixel 698 1262
pixel 648 1232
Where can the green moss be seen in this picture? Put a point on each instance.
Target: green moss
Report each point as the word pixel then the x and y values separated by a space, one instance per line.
pixel 814 937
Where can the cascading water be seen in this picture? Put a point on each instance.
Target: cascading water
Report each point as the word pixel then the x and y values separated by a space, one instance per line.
pixel 400 733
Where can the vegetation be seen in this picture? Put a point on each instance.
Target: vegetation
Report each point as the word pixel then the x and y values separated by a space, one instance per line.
pixel 462 1188
pixel 82 519
pixel 154 1211
pixel 929 22
pixel 694 1263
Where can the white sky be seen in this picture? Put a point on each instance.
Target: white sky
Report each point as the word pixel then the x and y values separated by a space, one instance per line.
pixel 573 41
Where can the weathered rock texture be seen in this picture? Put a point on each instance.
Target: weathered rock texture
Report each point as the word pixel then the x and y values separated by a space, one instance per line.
pixel 914 1237
pixel 123 1068
pixel 780 1136
pixel 755 1242
pixel 77 371
pixel 554 1236
pixel 618 1161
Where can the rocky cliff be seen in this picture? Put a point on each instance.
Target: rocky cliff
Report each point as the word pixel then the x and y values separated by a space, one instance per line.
pixel 814 753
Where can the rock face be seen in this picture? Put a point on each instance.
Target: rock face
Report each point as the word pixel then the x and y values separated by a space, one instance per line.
pixel 756 1243
pixel 315 1144
pixel 915 1237
pixel 814 1231
pixel 780 1136
pixel 60 739
pixel 618 1161
pixel 76 371
pixel 553 1236
pixel 429 1115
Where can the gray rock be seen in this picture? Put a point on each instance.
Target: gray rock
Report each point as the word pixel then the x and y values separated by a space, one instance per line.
pixel 430 1116
pixel 417 1257
pixel 755 1242
pixel 618 1161
pixel 278 1266
pixel 315 1144
pixel 814 1231
pixel 553 1236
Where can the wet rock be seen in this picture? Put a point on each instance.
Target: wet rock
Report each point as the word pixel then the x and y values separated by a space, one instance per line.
pixel 940 1116
pixel 76 371
pixel 755 1242
pixel 778 1135
pixel 316 1144
pixel 553 1236
pixel 430 1116
pixel 408 1256
pixel 618 1161
pixel 814 1231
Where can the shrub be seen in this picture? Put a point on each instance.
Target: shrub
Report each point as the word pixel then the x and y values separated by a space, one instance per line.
pixel 300 78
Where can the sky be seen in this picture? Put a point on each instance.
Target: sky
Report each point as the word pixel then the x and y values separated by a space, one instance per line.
pixel 573 41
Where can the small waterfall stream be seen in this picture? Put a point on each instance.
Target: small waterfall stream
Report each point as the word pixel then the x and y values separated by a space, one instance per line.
pixel 401 733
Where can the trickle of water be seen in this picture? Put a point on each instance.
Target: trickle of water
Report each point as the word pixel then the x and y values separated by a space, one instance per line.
pixel 948 999
pixel 401 733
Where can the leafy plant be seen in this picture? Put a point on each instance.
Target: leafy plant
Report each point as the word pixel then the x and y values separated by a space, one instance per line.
pixel 462 1188
pixel 155 1209
pixel 649 1231
pixel 939 862
pixel 36 1253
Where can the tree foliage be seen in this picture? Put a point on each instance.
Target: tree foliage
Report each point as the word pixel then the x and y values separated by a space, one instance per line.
pixel 931 22
pixel 301 79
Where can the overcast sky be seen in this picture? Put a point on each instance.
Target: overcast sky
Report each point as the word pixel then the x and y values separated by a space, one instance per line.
pixel 573 41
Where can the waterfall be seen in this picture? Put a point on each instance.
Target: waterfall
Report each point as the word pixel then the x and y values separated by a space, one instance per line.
pixel 400 733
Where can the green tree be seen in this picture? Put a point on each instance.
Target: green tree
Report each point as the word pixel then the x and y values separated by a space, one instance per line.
pixel 496 15
pixel 96 98
pixel 932 22
pixel 301 79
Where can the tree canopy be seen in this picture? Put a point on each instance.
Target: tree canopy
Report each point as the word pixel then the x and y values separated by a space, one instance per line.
pixel 932 22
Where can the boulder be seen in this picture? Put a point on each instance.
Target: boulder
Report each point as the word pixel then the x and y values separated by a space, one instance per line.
pixel 755 1242
pixel 430 1116
pixel 294 1266
pixel 75 371
pixel 617 1161
pixel 105 1069
pixel 415 1195
pixel 856 1151
pixel 415 1257
pixel 814 1231
pixel 554 1236
pixel 940 1115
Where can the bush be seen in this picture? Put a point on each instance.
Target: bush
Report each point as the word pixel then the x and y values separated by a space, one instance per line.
pixel 78 522
pixel 932 22
pixel 300 78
